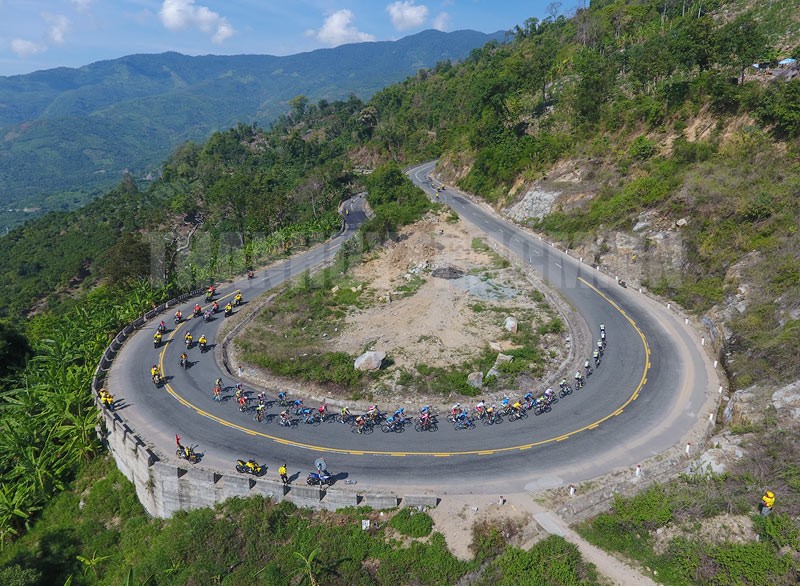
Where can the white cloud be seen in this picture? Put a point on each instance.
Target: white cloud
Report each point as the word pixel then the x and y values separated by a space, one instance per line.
pixel 81 4
pixel 24 48
pixel 442 22
pixel 338 29
pixel 179 15
pixel 58 27
pixel 406 15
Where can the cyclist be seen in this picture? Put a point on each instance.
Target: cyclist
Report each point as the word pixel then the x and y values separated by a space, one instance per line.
pixel 217 390
pixel 480 408
pixel 218 382
pixel 455 410
pixel 188 339
pixel 596 356
pixel 201 341
pixel 400 414
pixel 157 338
pixel 529 400
pixel 298 406
pixel 373 412
pixel 425 417
pixel 360 423
pixel 242 402
pixel 184 359
pixel 285 418
pixel 563 383
pixel 282 399
pixel 344 414
pixel 517 407
pixel 505 403
pixel 603 337
pixel 578 378
pixel 600 347
pixel 490 412
pixel 549 395
pixel 602 327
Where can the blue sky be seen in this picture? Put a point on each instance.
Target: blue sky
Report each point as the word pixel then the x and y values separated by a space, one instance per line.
pixel 42 34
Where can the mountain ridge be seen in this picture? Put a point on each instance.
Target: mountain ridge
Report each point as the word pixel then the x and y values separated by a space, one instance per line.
pixel 131 111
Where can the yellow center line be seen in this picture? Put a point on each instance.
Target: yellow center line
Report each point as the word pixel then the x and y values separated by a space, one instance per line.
pixel 347 451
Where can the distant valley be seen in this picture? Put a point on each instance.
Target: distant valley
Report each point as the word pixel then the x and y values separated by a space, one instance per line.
pixel 70 134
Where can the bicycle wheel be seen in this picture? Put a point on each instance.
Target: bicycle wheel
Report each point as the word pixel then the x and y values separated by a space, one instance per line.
pixel 386 429
pixel 433 426
pixel 417 427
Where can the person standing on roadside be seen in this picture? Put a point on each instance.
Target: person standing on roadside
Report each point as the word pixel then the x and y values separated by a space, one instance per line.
pixel 282 473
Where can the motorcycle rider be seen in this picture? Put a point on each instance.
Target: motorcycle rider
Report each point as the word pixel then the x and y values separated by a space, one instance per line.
pixel 188 339
pixel 155 373
pixel 228 309
pixel 282 471
pixel 178 316
pixel 237 300
pixel 157 338
pixel 201 341
pixel 207 315
pixel 162 327
pixel 215 307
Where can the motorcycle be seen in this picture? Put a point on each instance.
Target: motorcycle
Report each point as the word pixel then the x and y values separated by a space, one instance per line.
pixel 228 311
pixel 156 342
pixel 188 342
pixel 315 478
pixel 250 467
pixel 162 328
pixel 157 380
pixel 188 455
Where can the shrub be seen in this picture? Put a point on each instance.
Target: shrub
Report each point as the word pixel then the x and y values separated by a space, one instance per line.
pixel 412 523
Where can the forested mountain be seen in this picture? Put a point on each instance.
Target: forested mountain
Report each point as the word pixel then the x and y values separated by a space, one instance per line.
pixel 667 153
pixel 69 133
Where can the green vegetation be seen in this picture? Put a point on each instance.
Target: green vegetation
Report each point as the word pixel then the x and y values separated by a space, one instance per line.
pixel 651 99
pixel 412 523
pixel 551 561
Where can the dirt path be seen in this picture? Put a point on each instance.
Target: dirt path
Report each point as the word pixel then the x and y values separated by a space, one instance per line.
pixel 528 522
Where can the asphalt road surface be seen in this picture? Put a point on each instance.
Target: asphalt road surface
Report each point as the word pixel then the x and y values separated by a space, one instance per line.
pixel 644 397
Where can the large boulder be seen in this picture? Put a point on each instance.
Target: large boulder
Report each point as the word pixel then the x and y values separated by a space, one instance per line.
pixel 475 379
pixel 511 324
pixel 371 360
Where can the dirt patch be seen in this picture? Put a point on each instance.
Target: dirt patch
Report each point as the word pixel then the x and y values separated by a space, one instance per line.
pixel 723 528
pixel 418 318
pixel 456 515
